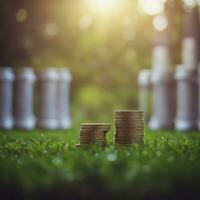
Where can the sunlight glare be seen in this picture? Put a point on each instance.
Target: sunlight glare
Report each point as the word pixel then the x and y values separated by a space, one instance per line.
pixel 190 3
pixel 152 7
pixel 102 5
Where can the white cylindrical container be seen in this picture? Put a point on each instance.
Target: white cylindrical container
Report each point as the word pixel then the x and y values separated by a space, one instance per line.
pixel 24 98
pixel 190 42
pixel 161 58
pixel 47 98
pixel 63 99
pixel 144 82
pixel 187 99
pixel 163 101
pixel 6 97
pixel 190 53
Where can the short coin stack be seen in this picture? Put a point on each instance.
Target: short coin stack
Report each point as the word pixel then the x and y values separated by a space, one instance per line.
pixel 93 133
pixel 129 126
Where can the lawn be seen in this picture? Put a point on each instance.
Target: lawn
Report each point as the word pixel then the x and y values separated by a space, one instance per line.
pixel 46 164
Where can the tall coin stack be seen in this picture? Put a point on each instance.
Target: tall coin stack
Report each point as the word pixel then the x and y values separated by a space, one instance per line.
pixel 129 126
pixel 93 133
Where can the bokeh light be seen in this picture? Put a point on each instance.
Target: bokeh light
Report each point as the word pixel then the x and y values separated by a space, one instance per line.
pixel 85 22
pixel 21 15
pixel 191 3
pixel 152 7
pixel 102 5
pixel 51 29
pixel 160 23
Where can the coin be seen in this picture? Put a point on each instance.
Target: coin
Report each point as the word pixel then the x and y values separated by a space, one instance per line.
pixel 92 142
pixel 95 125
pixel 129 136
pixel 94 133
pixel 129 111
pixel 129 125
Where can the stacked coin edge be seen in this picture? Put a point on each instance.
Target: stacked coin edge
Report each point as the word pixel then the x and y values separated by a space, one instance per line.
pixel 129 125
pixel 93 133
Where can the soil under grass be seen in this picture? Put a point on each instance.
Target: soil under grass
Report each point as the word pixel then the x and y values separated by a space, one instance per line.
pixel 46 164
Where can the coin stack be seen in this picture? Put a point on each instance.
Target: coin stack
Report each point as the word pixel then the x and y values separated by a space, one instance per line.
pixel 129 126
pixel 93 133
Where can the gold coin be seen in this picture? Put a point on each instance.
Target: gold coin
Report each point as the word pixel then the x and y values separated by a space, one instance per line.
pixel 92 139
pixel 129 128
pixel 132 142
pixel 107 125
pixel 129 125
pixel 128 139
pixel 129 136
pixel 129 111
pixel 93 142
pixel 129 120
pixel 130 115
pixel 95 137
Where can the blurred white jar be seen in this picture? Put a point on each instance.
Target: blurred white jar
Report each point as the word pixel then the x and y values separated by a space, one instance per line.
pixel 144 82
pixel 47 98
pixel 24 98
pixel 6 97
pixel 187 99
pixel 63 98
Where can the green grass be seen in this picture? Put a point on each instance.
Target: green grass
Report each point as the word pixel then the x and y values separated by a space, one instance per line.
pixel 42 164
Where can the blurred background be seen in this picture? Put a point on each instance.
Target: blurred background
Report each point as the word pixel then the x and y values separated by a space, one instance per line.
pixel 103 42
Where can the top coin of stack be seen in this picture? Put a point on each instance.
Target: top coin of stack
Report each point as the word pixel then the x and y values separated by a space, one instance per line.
pixel 93 133
pixel 129 126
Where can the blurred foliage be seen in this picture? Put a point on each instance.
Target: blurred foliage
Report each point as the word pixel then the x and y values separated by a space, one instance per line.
pixel 104 50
